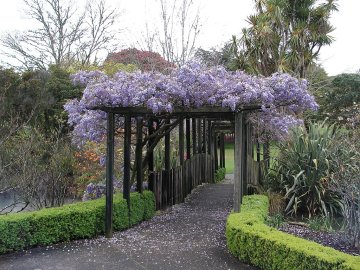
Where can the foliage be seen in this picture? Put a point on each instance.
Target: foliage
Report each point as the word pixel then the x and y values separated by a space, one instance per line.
pixel 74 221
pixel 145 60
pixel 220 175
pixel 347 183
pixel 35 98
pixel 277 204
pixel 304 168
pixel 340 102
pixel 93 191
pixel 39 169
pixel 275 221
pixel 284 36
pixel 159 157
pixel 22 99
pixel 109 67
pixel 214 57
pixel 149 204
pixel 250 240
pixel 60 89
pixel 137 208
pixel 190 86
pixel 320 223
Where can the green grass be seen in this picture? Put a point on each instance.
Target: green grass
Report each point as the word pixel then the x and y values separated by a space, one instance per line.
pixel 229 155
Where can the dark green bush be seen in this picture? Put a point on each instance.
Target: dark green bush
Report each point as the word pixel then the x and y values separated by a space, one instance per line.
pixel 304 167
pixel 137 208
pixel 250 240
pixel 220 175
pixel 149 204
pixel 74 221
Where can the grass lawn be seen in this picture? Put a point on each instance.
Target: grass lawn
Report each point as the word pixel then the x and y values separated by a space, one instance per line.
pixel 229 156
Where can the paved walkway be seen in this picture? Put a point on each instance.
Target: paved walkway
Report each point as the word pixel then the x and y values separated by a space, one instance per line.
pixel 190 236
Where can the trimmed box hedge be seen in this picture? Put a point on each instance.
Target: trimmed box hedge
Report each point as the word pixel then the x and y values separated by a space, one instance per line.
pixel 72 221
pixel 250 240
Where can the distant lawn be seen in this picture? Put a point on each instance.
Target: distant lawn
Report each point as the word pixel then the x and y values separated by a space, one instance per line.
pixel 229 156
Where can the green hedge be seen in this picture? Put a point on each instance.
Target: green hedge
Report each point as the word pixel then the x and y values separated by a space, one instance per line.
pixel 73 221
pixel 250 240
pixel 220 174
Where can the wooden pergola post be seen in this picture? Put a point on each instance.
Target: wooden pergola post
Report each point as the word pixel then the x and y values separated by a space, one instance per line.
pixel 244 157
pixel 193 124
pixel 188 139
pixel 209 137
pixel 216 151
pixel 151 157
pixel 204 135
pixel 167 165
pixel 212 147
pixel 138 155
pixel 181 142
pixel 222 150
pixel 199 135
pixel 110 143
pixel 238 162
pixel 127 159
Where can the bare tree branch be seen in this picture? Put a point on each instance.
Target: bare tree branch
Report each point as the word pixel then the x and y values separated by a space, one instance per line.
pixel 64 34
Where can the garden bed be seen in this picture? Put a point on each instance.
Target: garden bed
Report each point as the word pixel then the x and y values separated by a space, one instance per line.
pixel 252 241
pixel 329 239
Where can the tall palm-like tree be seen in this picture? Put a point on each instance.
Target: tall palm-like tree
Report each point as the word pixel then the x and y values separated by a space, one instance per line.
pixel 285 36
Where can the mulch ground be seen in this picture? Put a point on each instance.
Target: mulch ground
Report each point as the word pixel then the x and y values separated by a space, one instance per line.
pixel 331 239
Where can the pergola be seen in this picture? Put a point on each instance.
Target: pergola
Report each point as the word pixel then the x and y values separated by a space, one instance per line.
pixel 204 121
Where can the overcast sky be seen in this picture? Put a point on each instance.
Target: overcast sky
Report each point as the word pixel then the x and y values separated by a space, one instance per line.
pixel 221 20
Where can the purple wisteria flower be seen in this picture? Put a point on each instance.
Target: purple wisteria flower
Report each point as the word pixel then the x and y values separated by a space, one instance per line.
pixel 193 85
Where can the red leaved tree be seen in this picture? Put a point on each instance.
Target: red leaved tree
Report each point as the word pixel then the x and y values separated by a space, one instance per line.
pixel 144 60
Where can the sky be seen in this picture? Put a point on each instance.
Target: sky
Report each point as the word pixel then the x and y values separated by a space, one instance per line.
pixel 220 20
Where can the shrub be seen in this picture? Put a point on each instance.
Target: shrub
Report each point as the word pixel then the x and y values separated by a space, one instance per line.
pixel 304 168
pixel 346 182
pixel 149 204
pixel 250 240
pixel 275 220
pixel 220 175
pixel 39 169
pixel 74 221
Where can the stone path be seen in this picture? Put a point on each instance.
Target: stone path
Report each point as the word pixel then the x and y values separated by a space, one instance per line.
pixel 189 236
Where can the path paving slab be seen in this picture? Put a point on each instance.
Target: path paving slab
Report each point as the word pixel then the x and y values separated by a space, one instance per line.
pixel 190 236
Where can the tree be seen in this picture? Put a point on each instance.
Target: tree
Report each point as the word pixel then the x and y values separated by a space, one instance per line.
pixel 144 60
pixel 342 101
pixel 24 100
pixel 62 35
pixel 175 35
pixel 214 57
pixel 23 97
pixel 285 36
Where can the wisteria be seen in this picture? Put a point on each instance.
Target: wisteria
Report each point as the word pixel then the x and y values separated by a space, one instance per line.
pixel 280 96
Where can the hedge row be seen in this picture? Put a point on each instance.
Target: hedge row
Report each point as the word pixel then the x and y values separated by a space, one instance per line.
pixel 250 240
pixel 73 221
pixel 220 175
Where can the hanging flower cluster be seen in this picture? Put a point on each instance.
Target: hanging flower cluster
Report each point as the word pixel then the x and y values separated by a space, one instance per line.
pixel 191 86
